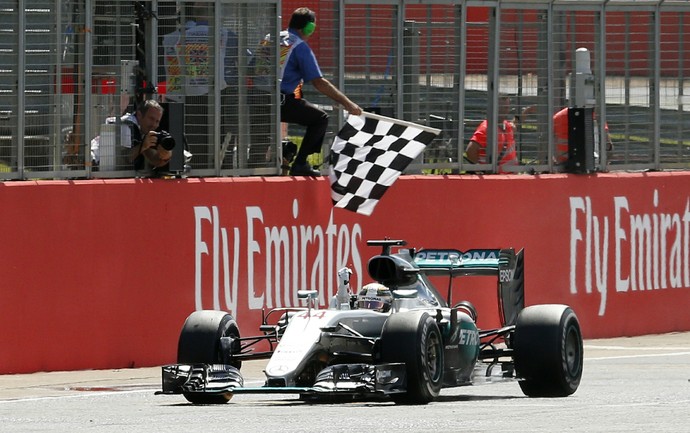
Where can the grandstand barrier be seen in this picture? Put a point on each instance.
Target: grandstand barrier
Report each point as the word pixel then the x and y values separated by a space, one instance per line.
pixel 102 273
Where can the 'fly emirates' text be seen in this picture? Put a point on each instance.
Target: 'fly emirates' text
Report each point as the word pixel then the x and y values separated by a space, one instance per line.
pixel 651 251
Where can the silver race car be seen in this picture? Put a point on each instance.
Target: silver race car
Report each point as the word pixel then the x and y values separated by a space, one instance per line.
pixel 397 338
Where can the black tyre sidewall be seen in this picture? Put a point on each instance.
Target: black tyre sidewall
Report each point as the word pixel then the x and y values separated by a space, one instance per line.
pixel 548 351
pixel 572 335
pixel 199 341
pixel 405 338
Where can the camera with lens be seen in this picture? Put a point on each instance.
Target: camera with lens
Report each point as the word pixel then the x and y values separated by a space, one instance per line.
pixel 166 140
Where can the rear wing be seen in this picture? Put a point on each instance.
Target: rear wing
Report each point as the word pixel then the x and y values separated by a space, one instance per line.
pixel 458 263
pixel 507 265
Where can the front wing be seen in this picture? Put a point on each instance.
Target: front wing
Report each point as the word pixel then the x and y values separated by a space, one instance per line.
pixel 346 380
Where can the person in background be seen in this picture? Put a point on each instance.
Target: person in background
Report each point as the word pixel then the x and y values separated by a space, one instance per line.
pixel 143 143
pixel 138 135
pixel 560 130
pixel 299 66
pixel 505 138
pixel 262 83
pixel 189 65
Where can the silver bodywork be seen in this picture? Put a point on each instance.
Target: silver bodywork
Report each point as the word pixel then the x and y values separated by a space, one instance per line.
pixel 335 350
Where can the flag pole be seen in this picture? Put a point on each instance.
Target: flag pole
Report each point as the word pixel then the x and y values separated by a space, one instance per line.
pixel 401 122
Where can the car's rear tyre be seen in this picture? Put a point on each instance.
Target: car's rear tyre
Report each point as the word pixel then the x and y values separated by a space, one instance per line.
pixel 200 343
pixel 414 339
pixel 548 351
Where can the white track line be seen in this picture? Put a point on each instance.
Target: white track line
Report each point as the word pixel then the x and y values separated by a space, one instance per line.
pixel 646 355
pixel 594 346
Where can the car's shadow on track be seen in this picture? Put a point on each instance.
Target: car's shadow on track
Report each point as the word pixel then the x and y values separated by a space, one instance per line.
pixel 454 398
pixel 360 403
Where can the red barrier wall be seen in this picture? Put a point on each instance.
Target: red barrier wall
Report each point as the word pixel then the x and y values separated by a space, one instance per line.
pixel 102 274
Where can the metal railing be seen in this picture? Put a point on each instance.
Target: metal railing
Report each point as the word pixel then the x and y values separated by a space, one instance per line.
pixel 66 69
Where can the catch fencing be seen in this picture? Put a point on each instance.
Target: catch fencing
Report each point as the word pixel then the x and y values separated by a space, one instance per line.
pixel 68 65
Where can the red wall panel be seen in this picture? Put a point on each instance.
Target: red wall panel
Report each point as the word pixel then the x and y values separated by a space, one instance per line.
pixel 102 274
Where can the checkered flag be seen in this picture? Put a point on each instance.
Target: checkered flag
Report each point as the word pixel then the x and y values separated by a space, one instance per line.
pixel 369 154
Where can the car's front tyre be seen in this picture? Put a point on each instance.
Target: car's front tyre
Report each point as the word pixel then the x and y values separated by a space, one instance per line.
pixel 202 342
pixel 414 339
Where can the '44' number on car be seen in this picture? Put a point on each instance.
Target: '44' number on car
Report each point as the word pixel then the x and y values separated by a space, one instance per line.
pixel 317 314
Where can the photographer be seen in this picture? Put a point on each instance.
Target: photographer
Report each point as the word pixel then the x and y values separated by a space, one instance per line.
pixel 148 147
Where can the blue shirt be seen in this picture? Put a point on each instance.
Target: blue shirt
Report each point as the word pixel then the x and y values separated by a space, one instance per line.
pixel 297 63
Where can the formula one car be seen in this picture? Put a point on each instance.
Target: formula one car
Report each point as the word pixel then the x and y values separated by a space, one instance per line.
pixel 397 338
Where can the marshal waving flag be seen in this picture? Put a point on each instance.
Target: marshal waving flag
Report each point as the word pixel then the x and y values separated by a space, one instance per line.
pixel 369 153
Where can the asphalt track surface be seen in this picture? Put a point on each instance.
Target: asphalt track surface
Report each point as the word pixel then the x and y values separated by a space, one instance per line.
pixel 634 384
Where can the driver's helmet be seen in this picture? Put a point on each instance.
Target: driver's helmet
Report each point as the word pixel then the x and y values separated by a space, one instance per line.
pixel 375 296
